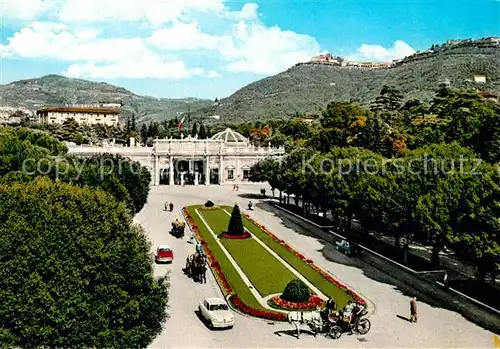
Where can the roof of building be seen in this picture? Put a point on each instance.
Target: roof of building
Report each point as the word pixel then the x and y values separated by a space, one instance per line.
pixel 81 110
pixel 229 136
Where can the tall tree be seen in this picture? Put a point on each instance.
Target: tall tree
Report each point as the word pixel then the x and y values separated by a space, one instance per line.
pixel 144 133
pixel 133 126
pixel 235 226
pixel 128 127
pixel 84 283
pixel 389 100
pixel 202 132
pixel 340 121
pixel 194 129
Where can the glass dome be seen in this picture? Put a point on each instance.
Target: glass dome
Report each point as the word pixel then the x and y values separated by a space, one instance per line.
pixel 230 136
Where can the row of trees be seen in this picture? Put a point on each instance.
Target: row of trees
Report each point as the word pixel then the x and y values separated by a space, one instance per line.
pixel 74 270
pixel 458 209
pixel 440 195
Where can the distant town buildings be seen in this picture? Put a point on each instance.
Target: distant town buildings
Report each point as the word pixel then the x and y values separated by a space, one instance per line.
pixel 106 105
pixel 332 60
pixel 481 79
pixel 15 115
pixel 89 116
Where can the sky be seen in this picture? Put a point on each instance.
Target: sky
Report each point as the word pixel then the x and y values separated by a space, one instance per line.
pixel 211 48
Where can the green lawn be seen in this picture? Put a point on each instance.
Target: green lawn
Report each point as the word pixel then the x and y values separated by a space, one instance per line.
pixel 301 266
pixel 267 274
pixel 264 271
pixel 227 268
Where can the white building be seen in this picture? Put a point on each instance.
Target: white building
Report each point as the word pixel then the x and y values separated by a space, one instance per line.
pixel 481 79
pixel 89 116
pixel 225 158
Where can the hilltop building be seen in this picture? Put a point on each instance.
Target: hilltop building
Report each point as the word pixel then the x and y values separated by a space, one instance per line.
pixel 89 116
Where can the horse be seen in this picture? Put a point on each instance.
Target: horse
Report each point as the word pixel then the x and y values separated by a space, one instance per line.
pixel 312 319
pixel 196 267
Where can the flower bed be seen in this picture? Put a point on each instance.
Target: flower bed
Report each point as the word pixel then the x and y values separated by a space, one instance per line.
pixel 323 273
pixel 257 313
pixel 223 282
pixel 313 303
pixel 245 235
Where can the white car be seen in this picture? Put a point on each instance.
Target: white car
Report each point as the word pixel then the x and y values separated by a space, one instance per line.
pixel 216 312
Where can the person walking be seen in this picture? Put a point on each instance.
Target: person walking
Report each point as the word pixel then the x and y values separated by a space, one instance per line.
pixel 413 309
pixel 171 206
pixel 445 279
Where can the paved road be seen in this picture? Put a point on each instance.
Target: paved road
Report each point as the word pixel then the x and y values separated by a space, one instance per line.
pixel 437 327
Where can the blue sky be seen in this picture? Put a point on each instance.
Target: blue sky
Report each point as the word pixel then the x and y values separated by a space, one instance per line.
pixel 210 48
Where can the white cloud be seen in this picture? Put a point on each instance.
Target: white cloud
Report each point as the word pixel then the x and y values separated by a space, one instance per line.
pixel 377 53
pixel 213 74
pixel 184 36
pixel 155 12
pixel 242 43
pixel 55 40
pixel 147 67
pixel 281 50
pixel 24 10
pixel 249 11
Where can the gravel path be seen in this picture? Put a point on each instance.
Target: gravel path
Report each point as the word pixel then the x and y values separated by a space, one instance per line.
pixel 437 328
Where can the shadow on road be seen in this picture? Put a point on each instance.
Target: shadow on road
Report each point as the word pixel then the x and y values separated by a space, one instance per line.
pixel 403 318
pixel 250 196
pixel 293 333
pixel 365 262
pixel 205 322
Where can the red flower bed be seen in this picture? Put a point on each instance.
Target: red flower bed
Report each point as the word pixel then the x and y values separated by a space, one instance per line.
pixel 245 235
pixel 310 261
pixel 313 302
pixel 224 284
pixel 257 313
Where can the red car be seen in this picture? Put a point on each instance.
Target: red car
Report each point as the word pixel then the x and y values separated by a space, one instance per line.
pixel 164 254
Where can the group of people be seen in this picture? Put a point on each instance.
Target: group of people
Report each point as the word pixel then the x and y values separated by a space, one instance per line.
pixel 348 315
pixel 169 206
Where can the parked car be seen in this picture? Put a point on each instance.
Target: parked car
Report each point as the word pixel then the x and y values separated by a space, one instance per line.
pixel 216 313
pixel 349 248
pixel 164 254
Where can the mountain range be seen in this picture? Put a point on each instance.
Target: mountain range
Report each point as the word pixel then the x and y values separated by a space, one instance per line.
pixel 56 90
pixel 303 89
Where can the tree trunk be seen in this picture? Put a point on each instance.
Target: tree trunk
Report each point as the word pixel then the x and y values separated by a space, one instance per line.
pixel 281 197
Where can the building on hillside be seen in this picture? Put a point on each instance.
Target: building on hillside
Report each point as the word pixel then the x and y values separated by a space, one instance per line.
pixel 307 118
pixel 111 105
pixel 493 39
pixel 14 115
pixel 328 58
pixel 480 79
pixel 90 116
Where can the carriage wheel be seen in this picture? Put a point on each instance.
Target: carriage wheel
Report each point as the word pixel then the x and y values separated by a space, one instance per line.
pixel 363 326
pixel 335 332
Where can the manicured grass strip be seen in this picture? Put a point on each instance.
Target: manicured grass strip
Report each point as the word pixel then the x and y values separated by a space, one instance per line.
pixel 301 266
pixel 267 274
pixel 227 268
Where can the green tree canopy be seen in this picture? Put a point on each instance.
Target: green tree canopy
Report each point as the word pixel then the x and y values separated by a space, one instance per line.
pixel 74 272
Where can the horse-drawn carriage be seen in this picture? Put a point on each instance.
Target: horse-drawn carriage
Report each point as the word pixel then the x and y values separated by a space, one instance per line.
pixel 196 267
pixel 333 323
pixel 177 228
